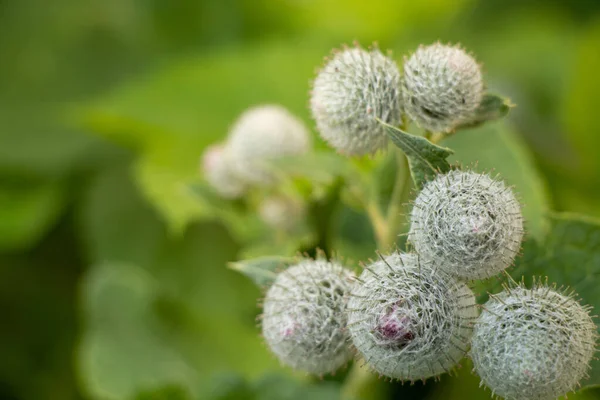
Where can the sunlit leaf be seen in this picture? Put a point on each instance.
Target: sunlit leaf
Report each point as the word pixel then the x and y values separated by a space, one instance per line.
pixel 425 158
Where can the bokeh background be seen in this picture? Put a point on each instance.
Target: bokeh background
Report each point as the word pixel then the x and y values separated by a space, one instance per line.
pixel 112 279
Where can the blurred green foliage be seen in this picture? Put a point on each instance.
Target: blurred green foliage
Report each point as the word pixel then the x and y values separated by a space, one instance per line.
pixel 113 281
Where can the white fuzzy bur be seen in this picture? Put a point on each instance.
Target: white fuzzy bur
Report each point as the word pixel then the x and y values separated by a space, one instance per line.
pixel 262 134
pixel 469 223
pixel 442 87
pixel 282 213
pixel 533 344
pixel 304 319
pixel 408 320
pixel 219 173
pixel 353 89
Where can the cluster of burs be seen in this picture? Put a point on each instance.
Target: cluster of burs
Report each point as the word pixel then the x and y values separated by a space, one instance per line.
pixel 412 316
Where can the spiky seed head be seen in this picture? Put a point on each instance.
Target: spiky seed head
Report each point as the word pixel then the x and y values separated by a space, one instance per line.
pixel 282 213
pixel 532 344
pixel 468 222
pixel 304 319
pixel 262 134
pixel 409 320
pixel 219 174
pixel 355 88
pixel 442 87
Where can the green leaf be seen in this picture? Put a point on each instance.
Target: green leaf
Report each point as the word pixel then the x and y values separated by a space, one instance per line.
pixel 580 104
pixel 27 212
pixel 262 271
pixel 496 148
pixel 492 107
pixel 425 158
pixel 124 350
pixel 153 295
pixel 200 97
pixel 570 256
pixel 169 392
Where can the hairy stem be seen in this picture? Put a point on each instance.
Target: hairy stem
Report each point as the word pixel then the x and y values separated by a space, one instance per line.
pixel 399 197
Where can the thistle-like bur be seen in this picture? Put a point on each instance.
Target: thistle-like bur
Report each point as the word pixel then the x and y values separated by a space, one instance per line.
pixel 354 89
pixel 282 213
pixel 533 344
pixel 468 222
pixel 263 134
pixel 304 318
pixel 219 174
pixel 409 320
pixel 442 87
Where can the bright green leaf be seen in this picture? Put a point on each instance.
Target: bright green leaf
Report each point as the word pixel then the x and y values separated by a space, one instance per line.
pixel 425 158
pixel 492 107
pixel 262 271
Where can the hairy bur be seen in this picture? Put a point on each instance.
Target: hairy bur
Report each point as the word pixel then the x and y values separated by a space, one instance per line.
pixel 304 318
pixel 410 320
pixel 219 173
pixel 282 213
pixel 442 87
pixel 469 223
pixel 353 89
pixel 263 134
pixel 533 344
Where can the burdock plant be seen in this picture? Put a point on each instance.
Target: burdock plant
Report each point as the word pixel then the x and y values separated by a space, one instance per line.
pixel 411 314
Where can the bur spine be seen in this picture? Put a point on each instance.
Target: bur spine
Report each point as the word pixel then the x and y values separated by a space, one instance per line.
pixel 533 344
pixel 442 87
pixel 355 88
pixel 408 319
pixel 304 319
pixel 470 223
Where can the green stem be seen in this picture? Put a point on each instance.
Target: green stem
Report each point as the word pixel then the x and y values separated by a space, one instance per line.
pixel 399 197
pixel 359 382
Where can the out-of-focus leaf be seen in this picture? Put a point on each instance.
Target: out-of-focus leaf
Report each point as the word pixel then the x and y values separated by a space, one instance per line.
pixel 195 314
pixel 271 387
pixel 425 158
pixel 26 212
pixel 231 386
pixel 374 20
pixel 581 102
pixel 165 187
pixel 169 392
pixel 495 148
pixel 492 107
pixel 262 271
pixel 170 116
pixel 125 349
pixel 278 387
